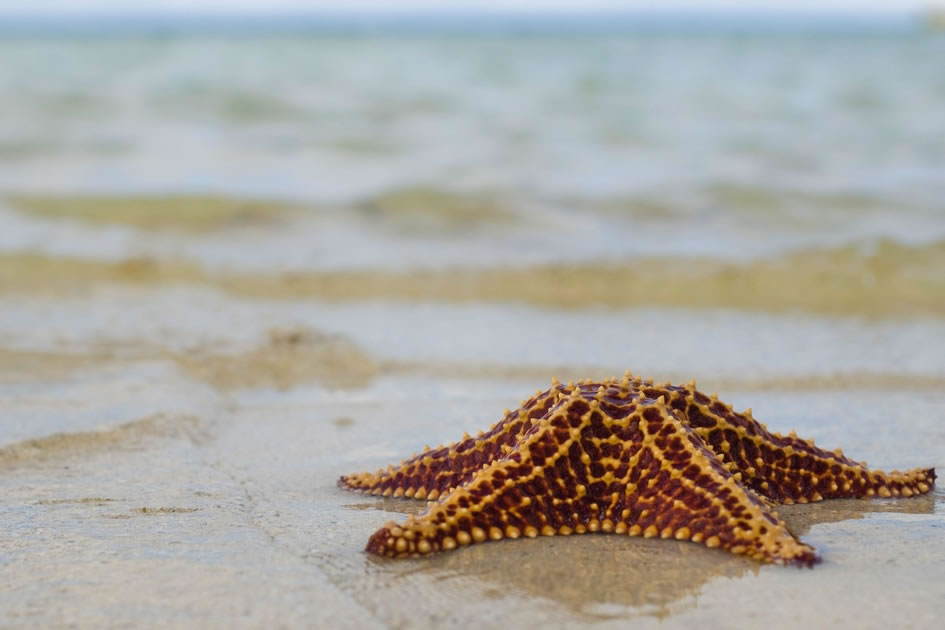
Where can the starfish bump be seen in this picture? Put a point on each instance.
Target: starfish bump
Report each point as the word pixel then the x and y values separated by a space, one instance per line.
pixel 627 457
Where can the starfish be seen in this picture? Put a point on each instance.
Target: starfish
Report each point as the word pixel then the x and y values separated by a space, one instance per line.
pixel 628 457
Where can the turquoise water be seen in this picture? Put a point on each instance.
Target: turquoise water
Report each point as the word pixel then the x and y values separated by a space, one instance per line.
pixel 708 143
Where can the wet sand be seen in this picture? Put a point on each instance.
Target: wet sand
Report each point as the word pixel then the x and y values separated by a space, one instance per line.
pixel 233 518
pixel 159 468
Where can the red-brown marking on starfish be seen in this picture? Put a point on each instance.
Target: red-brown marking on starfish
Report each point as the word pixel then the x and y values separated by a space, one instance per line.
pixel 628 457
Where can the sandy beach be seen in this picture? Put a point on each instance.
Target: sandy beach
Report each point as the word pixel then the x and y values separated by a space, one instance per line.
pixel 224 284
pixel 196 481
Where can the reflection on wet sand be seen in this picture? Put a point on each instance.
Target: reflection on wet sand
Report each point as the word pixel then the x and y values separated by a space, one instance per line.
pixel 602 575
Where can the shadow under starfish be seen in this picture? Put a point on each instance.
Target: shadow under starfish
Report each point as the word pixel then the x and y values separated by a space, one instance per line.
pixel 654 577
pixel 623 456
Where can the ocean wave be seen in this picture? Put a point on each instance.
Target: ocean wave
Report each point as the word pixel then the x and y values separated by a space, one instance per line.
pixel 875 279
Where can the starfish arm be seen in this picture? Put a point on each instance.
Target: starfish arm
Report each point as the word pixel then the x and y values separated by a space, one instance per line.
pixel 436 472
pixel 786 469
pixel 601 464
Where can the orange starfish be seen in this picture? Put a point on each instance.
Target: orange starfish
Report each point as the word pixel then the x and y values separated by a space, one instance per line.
pixel 628 457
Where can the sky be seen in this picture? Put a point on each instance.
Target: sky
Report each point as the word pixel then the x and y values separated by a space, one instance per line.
pixel 54 7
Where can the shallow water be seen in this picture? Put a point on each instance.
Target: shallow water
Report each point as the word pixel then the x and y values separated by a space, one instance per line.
pixel 616 147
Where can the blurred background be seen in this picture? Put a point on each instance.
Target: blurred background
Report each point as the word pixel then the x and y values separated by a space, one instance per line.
pixel 249 247
pixel 411 172
pixel 487 191
pixel 491 192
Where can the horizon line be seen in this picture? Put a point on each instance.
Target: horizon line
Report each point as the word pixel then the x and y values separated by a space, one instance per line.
pixel 622 15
